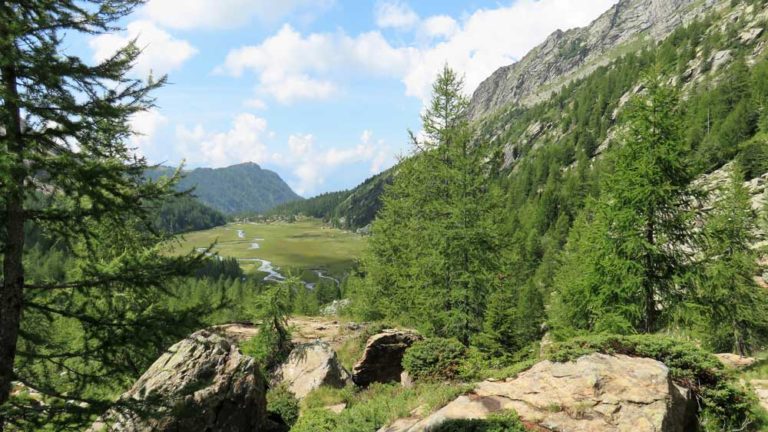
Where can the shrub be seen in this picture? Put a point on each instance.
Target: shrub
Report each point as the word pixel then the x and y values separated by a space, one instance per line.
pixel 282 402
pixel 724 403
pixel 434 359
pixel 316 420
pixel 498 422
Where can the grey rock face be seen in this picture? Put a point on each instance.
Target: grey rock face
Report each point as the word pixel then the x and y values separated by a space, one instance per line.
pixel 573 54
pixel 597 392
pixel 201 384
pixel 310 366
pixel 383 357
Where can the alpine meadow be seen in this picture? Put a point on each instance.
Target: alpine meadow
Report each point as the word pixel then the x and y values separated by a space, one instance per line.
pixel 555 217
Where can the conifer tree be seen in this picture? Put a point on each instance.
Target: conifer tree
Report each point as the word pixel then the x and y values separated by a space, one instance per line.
pixel 435 247
pixel 734 307
pixel 67 171
pixel 629 251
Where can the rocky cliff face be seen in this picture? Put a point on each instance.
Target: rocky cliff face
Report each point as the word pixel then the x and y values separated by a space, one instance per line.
pixel 573 54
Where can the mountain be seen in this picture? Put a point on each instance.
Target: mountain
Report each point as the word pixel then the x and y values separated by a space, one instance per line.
pixel 563 100
pixel 243 188
pixel 569 55
pixel 349 209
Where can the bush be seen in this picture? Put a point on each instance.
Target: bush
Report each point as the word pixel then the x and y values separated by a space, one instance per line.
pixel 498 422
pixel 724 403
pixel 282 402
pixel 316 420
pixel 434 359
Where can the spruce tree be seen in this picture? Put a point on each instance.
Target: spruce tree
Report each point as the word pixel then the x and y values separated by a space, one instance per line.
pixel 733 307
pixel 67 172
pixel 630 250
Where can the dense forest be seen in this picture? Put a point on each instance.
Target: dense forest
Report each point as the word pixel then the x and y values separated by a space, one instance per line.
pixel 185 213
pixel 352 210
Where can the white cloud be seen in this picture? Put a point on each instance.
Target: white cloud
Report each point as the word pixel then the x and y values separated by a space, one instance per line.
pixel 244 142
pixel 300 145
pixel 256 104
pixel 310 166
pixel 191 14
pixel 395 14
pixel 162 53
pixel 491 38
pixel 439 26
pixel 293 67
pixel 145 125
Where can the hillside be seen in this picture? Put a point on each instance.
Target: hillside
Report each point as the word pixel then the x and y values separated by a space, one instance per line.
pixel 243 188
pixel 573 54
pixel 351 209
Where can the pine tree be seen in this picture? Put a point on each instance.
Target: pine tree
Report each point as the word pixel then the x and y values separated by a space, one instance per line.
pixel 733 306
pixel 629 250
pixel 435 247
pixel 67 171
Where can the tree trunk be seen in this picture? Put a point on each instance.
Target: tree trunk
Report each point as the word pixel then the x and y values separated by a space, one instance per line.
pixel 12 288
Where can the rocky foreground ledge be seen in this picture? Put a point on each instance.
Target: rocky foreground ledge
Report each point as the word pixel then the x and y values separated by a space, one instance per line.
pixel 597 392
pixel 204 384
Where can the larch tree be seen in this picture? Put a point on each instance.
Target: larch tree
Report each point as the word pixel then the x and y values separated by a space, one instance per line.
pixel 734 308
pixel 435 250
pixel 67 173
pixel 629 253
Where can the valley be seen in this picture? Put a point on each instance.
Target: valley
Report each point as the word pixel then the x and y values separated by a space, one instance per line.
pixel 273 250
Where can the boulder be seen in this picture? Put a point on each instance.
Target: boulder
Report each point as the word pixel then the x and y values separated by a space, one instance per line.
pixel 202 383
pixel 383 357
pixel 735 361
pixel 594 393
pixel 310 366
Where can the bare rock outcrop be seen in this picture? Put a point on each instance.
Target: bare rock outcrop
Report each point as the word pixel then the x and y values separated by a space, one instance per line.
pixel 383 357
pixel 597 393
pixel 566 56
pixel 310 366
pixel 201 384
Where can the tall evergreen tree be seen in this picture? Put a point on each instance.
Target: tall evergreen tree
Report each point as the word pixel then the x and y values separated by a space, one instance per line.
pixel 435 249
pixel 733 306
pixel 67 172
pixel 628 253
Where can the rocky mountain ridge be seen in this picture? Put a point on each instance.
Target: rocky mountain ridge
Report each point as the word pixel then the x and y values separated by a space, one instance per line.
pixel 566 56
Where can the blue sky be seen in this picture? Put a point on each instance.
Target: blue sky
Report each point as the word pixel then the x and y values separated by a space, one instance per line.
pixel 321 91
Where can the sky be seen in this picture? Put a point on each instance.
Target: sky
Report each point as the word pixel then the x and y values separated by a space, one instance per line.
pixel 321 91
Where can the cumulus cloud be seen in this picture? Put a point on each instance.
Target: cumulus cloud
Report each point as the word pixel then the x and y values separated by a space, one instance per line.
pixel 310 166
pixel 439 26
pixel 395 14
pixel 491 38
pixel 255 103
pixel 243 142
pixel 145 125
pixel 191 14
pixel 162 53
pixel 292 67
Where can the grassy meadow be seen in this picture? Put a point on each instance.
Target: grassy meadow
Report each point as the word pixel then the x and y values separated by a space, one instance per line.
pixel 299 247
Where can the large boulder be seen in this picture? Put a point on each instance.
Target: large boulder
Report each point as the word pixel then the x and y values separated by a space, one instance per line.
pixel 382 359
pixel 310 366
pixel 201 384
pixel 594 393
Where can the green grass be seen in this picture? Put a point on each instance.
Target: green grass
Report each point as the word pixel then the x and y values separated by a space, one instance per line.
pixel 374 407
pixel 300 246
